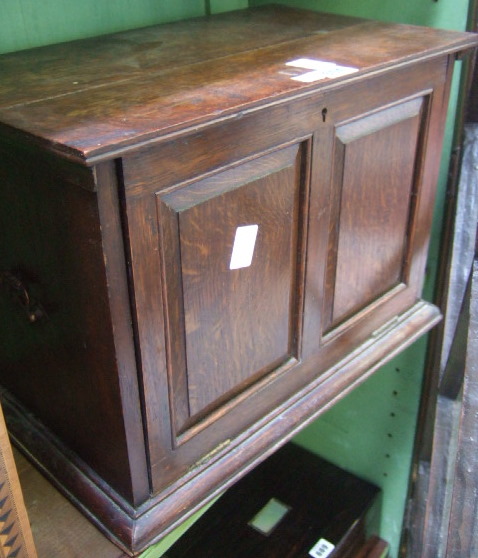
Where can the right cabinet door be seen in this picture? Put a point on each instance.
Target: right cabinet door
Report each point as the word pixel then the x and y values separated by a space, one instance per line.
pixel 373 208
pixel 380 186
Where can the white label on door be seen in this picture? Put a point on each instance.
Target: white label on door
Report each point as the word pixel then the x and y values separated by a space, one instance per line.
pixel 243 249
pixel 321 549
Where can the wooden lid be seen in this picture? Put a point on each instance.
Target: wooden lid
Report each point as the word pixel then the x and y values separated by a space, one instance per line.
pixel 93 98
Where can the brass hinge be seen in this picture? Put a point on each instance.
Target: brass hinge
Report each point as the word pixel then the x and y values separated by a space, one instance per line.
pixel 205 458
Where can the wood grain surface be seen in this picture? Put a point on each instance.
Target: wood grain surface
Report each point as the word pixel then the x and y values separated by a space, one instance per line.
pixel 131 86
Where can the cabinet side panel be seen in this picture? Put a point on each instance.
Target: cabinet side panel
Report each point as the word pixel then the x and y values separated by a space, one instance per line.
pixel 62 368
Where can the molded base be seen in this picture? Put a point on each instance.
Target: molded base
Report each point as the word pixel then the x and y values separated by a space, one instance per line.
pixel 134 529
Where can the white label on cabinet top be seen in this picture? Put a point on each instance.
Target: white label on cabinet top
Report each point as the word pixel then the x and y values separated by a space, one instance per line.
pixel 321 549
pixel 243 249
pixel 320 69
pixel 310 64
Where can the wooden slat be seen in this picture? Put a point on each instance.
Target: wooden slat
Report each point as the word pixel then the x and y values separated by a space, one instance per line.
pixel 374 547
pixel 451 511
pixel 462 531
pixel 15 534
pixel 426 528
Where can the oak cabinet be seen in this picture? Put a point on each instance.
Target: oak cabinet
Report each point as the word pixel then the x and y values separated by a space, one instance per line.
pixel 206 247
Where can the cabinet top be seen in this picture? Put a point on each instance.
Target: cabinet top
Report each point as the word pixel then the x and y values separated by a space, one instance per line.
pixel 94 98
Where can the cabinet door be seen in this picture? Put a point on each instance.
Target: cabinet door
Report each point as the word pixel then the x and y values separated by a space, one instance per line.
pixel 230 256
pixel 374 190
pixel 384 165
pixel 218 235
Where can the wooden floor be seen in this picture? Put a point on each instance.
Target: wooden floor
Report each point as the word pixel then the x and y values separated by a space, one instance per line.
pixel 59 529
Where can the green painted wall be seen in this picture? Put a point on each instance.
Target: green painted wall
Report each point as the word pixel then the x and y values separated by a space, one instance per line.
pixel 448 14
pixel 31 23
pixel 371 431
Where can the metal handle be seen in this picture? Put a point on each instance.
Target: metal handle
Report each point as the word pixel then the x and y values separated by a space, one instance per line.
pixel 19 292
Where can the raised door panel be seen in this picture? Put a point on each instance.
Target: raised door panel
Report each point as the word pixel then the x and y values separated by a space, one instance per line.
pixel 372 218
pixel 229 246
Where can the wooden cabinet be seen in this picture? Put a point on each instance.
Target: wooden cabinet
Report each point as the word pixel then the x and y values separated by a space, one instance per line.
pixel 206 244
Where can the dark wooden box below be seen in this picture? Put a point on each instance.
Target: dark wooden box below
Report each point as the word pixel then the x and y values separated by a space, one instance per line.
pixel 323 507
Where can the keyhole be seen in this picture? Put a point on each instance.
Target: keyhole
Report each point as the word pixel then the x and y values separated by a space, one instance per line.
pixel 324 114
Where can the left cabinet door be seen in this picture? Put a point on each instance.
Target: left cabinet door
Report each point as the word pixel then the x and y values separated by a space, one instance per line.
pixel 228 245
pixel 217 232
